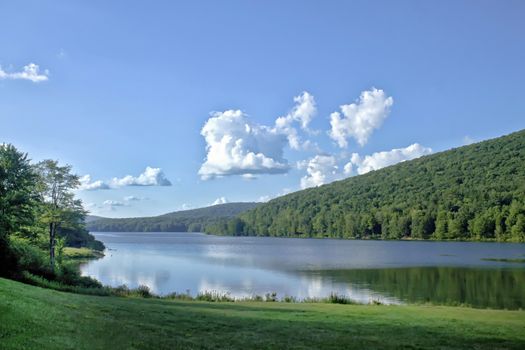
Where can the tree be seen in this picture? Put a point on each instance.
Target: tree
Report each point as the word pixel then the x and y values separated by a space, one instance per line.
pixel 17 197
pixel 57 183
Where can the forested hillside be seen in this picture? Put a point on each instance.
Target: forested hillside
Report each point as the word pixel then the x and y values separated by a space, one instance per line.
pixel 194 220
pixel 472 192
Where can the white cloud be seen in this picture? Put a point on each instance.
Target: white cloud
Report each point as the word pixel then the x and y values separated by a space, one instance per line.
pixel 186 206
pixel 360 119
pixel 249 176
pixel 220 200
pixel 467 140
pixel 323 169
pixel 150 177
pixel 86 184
pixel 320 170
pixel 133 198
pixel 303 112
pixel 30 72
pixel 236 146
pixel 348 169
pixel 62 54
pixel 383 159
pixel 265 198
pixel 112 204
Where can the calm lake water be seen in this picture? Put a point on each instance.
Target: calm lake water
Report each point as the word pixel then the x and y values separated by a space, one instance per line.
pixel 388 271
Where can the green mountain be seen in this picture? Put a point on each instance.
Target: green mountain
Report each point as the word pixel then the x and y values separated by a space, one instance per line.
pixel 194 220
pixel 473 192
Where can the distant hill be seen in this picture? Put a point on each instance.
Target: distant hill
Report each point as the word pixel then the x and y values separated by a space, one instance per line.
pixel 194 220
pixel 473 192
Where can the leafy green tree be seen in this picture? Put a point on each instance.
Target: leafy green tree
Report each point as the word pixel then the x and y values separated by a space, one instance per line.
pixel 17 199
pixel 56 186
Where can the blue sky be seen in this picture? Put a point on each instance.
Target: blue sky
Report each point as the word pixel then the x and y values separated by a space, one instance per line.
pixel 194 89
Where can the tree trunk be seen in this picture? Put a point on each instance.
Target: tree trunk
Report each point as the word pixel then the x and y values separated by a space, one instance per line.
pixel 52 245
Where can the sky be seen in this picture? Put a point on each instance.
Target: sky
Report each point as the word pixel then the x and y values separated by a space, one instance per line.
pixel 163 106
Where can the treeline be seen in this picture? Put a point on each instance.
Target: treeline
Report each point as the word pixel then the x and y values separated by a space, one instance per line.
pixel 39 215
pixel 475 192
pixel 193 220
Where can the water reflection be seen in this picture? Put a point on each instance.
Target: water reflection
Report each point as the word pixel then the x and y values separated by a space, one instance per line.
pixel 390 272
pixel 493 288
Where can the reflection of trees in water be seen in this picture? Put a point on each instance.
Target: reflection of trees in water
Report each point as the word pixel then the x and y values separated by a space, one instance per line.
pixel 493 288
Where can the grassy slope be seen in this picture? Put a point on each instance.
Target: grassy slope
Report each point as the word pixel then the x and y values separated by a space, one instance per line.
pixel 35 318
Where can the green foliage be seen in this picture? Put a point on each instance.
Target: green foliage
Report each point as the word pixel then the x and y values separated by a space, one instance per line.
pixel 335 298
pixel 37 201
pixel 475 192
pixel 17 190
pixel 40 281
pixel 214 297
pixel 81 253
pixel 17 201
pixel 195 220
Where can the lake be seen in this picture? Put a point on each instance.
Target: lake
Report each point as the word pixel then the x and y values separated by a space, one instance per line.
pixel 392 272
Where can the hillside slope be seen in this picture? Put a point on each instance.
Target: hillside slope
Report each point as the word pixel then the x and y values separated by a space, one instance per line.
pixel 472 192
pixel 194 220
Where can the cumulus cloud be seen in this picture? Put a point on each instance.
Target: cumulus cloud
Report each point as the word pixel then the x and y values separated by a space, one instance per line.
pixel 320 170
pixel 249 176
pixel 220 200
pixel 324 168
pixel 303 112
pixel 267 198
pixel 383 159
pixel 30 72
pixel 467 140
pixel 264 199
pixel 360 119
pixel 150 177
pixel 237 146
pixel 112 204
pixel 88 185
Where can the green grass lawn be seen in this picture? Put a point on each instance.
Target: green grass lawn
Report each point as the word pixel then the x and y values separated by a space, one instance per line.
pixel 81 253
pixel 36 318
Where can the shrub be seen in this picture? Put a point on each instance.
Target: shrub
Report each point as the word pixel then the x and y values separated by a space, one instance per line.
pixel 270 297
pixel 335 298
pixel 42 282
pixel 30 258
pixel 214 296
pixel 144 291
pixel 289 299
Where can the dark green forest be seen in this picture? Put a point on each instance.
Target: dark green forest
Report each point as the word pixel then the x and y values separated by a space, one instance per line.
pixel 474 192
pixel 194 220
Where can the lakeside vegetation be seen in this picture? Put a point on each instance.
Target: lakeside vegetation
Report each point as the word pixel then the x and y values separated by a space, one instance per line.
pixel 42 224
pixel 474 192
pixel 193 220
pixel 517 260
pixel 36 318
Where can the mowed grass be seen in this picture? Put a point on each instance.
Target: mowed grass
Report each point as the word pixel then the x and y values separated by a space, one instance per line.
pixel 36 318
